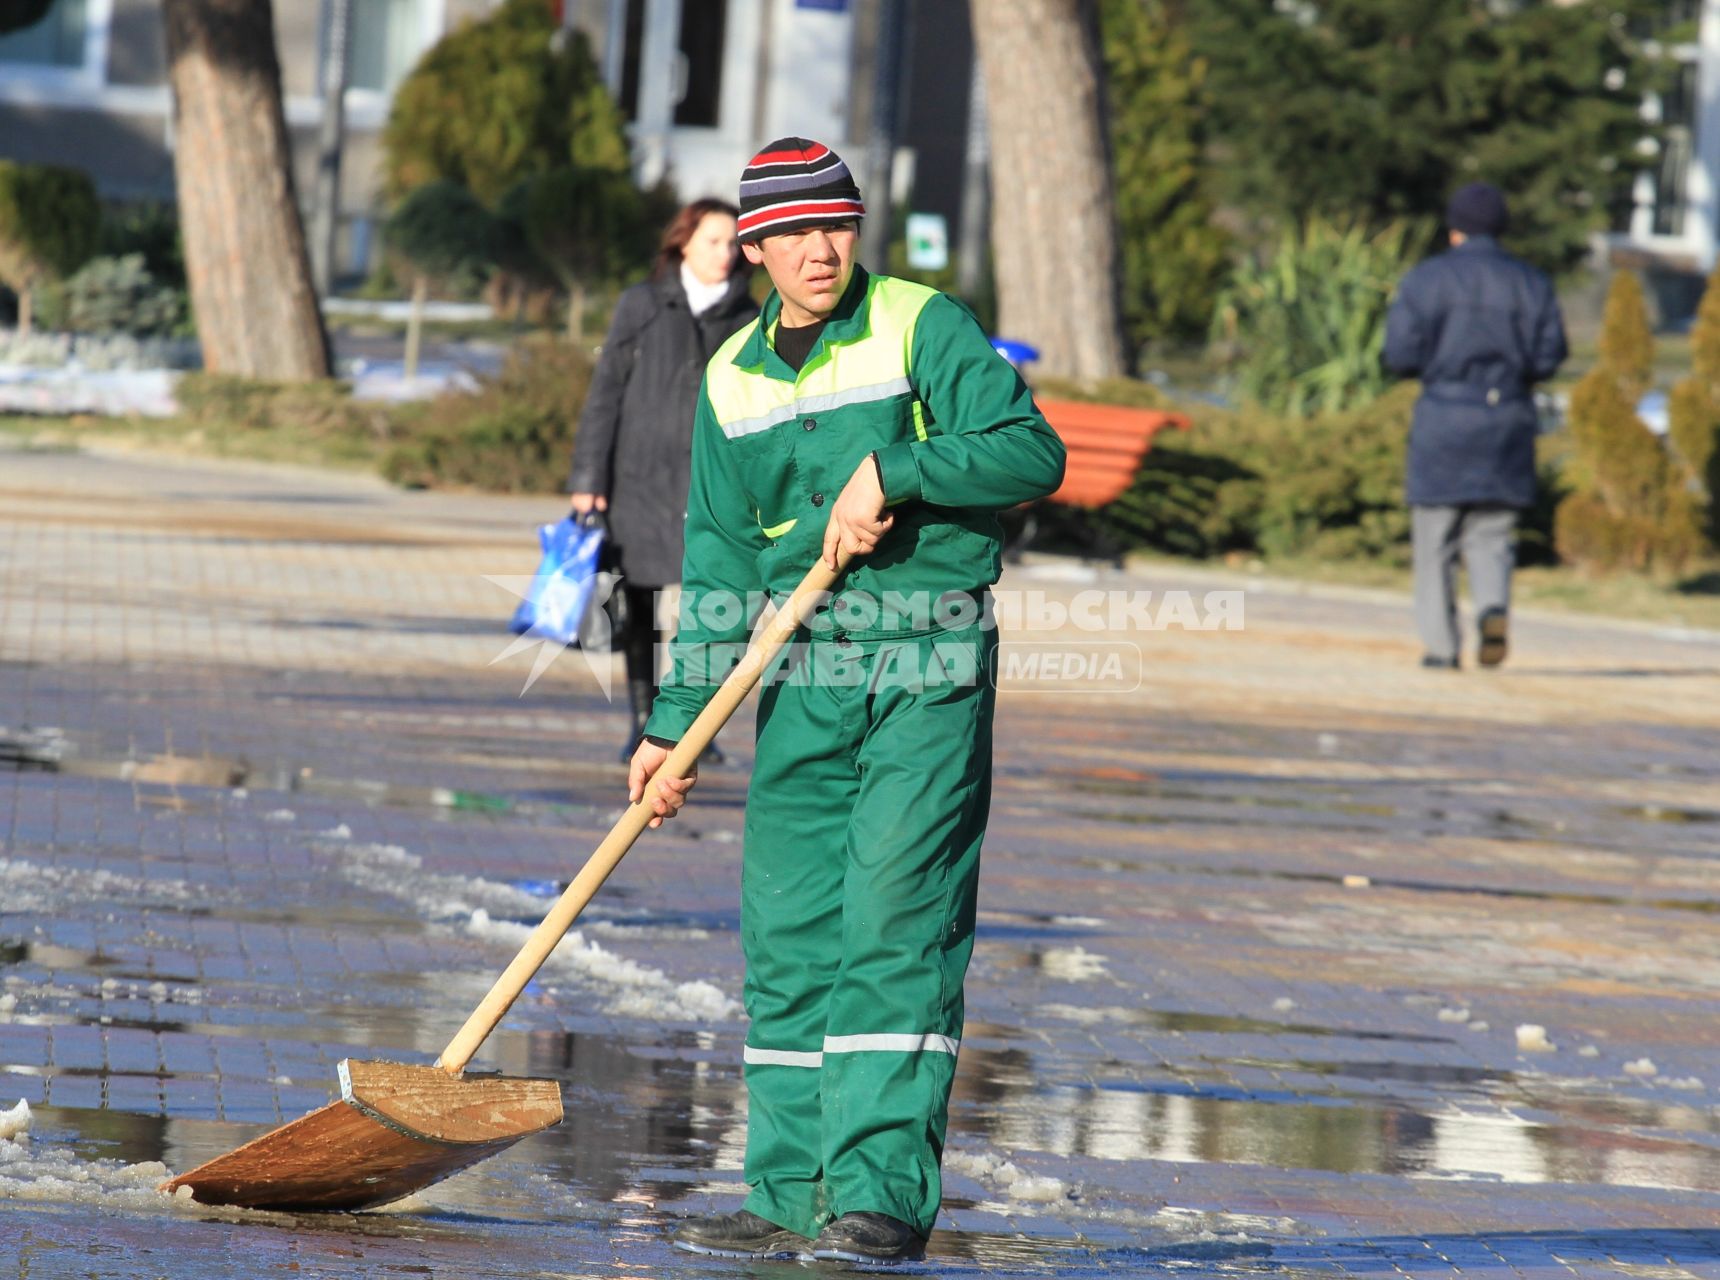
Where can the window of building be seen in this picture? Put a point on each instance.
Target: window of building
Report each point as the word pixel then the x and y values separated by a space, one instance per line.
pixel 632 51
pixel 1677 140
pixel 58 40
pixel 387 37
pixel 702 58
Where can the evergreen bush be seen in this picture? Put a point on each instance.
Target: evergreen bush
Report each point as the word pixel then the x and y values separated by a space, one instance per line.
pixel 1246 479
pixel 147 227
pixel 1630 506
pixel 1174 255
pixel 1378 109
pixel 1693 410
pixel 49 217
pixel 255 417
pixel 115 295
pixel 514 435
pixel 497 100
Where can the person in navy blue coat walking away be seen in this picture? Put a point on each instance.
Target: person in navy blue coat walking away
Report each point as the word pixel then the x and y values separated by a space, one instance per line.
pixel 1479 328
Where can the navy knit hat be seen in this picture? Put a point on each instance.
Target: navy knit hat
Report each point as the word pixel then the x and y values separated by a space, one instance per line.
pixel 1477 210
pixel 793 184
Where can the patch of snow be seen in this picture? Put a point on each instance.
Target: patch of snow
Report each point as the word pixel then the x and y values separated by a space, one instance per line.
pixel 30 886
pixel 1072 964
pixel 472 905
pixel 1454 1015
pixel 638 990
pixel 1283 1004
pixel 8 1002
pixel 1080 1013
pixel 1357 882
pixel 1641 1067
pixel 342 832
pixel 16 1122
pixel 1588 1051
pixel 1685 1082
pixel 1009 1178
pixel 280 816
pixel 1532 1038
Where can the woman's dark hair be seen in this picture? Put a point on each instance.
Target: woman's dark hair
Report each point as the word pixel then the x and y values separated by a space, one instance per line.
pixel 680 231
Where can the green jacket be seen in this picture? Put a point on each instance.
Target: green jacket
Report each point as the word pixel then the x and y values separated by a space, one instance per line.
pixel 900 370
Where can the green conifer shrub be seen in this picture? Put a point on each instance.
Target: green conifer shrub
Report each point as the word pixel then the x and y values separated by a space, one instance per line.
pixel 498 100
pixel 1630 506
pixel 1174 255
pixel 1694 411
pixel 49 218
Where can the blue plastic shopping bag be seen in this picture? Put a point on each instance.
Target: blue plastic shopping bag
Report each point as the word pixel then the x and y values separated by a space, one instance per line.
pixel 561 593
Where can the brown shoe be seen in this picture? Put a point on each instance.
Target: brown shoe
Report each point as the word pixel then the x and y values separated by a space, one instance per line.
pixel 1494 627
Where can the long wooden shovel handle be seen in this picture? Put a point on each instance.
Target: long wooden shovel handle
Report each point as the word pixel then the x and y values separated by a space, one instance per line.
pixel 729 695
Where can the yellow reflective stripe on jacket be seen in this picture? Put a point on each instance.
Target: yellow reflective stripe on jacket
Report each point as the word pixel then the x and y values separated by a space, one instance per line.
pixel 777 530
pixel 814 404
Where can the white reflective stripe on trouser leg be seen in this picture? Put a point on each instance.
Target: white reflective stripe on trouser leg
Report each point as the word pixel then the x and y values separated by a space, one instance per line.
pixel 891 1044
pixel 780 1058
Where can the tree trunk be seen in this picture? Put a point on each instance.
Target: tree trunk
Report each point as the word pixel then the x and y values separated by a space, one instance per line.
pixel 245 254
pixel 576 312
pixel 415 326
pixel 1054 239
pixel 26 310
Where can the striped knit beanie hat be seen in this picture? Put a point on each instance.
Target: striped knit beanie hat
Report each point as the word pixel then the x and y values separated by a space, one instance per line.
pixel 793 184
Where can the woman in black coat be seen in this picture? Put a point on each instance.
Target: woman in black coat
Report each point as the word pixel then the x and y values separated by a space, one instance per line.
pixel 633 451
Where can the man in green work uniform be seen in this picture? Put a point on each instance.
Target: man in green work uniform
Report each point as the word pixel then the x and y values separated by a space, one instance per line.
pixel 866 415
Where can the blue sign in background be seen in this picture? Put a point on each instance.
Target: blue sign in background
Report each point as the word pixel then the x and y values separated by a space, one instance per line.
pixel 832 6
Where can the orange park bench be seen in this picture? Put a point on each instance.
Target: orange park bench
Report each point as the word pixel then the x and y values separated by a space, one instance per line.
pixel 1105 444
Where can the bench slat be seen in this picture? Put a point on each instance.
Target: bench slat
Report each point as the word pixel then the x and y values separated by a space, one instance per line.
pixel 1105 445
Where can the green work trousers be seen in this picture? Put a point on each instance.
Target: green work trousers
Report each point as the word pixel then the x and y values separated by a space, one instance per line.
pixel 864 820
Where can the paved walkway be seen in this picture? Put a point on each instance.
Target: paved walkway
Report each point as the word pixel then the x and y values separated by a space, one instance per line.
pixel 1268 920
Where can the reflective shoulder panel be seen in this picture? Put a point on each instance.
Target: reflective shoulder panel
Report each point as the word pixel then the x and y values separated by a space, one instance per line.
pixel 896 306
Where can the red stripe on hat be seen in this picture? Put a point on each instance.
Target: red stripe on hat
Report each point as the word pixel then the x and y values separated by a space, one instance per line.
pixel 836 210
pixel 817 151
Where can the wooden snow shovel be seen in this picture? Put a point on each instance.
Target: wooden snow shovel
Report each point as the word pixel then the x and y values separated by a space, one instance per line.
pixel 398 1129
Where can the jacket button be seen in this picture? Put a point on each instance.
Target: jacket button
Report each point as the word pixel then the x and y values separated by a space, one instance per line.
pixel 811 424
pixel 818 499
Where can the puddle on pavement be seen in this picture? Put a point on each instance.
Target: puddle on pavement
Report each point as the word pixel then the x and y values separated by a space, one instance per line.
pixel 1582 1139
pixel 1187 1021
pixel 667 1119
pixel 1425 1073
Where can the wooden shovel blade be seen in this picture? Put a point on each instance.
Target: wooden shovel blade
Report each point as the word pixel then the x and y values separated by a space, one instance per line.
pixel 395 1130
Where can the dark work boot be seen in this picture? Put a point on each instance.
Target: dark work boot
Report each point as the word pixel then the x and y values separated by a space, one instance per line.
pixel 1494 626
pixel 868 1237
pixel 641 694
pixel 741 1234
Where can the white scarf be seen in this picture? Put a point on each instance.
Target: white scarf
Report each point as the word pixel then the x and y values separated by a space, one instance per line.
pixel 701 297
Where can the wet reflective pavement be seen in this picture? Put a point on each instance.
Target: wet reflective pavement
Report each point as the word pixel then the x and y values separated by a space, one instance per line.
pixel 1262 946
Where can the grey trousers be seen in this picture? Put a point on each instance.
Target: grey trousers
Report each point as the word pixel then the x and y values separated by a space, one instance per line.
pixel 1484 538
